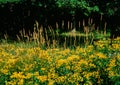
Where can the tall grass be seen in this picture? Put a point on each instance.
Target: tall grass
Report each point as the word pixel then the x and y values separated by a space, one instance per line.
pixel 26 63
pixel 51 37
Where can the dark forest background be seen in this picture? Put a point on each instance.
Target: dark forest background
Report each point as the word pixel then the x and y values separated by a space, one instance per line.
pixel 16 15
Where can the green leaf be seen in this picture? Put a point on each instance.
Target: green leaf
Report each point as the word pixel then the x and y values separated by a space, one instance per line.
pixel 39 4
pixel 10 1
pixel 95 8
pixel 111 12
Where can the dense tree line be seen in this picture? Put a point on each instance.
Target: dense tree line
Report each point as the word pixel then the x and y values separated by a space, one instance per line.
pixel 18 14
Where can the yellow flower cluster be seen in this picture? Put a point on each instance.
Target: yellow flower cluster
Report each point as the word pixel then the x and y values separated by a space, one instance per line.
pixel 34 66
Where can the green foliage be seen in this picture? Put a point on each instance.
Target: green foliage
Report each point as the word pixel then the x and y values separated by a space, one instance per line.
pixel 96 8
pixel 68 3
pixel 74 4
pixel 88 6
pixel 10 1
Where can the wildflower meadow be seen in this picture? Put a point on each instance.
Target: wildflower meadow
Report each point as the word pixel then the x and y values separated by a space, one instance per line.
pixel 59 42
pixel 97 64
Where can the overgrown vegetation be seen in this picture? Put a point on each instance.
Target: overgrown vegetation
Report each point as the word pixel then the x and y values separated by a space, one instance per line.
pixel 22 64
pixel 69 14
pixel 56 42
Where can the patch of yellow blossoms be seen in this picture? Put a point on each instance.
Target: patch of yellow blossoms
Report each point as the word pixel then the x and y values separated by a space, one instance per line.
pixel 34 66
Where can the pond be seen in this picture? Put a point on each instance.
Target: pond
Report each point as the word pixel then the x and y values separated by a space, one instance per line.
pixel 74 40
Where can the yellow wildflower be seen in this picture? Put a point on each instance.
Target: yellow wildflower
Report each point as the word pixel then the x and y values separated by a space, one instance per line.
pixel 52 70
pixel 78 49
pixel 11 62
pixel 112 63
pixel 51 82
pixel 92 65
pixel 73 57
pixel 60 62
pixel 82 62
pixel 115 46
pixel 89 48
pixel 1 60
pixel 61 79
pixel 76 77
pixel 18 75
pixel 111 73
pixel 52 75
pixel 100 55
pixel 68 67
pixel 88 75
pixel 92 56
pixel 118 57
pixel 4 71
pixel 28 67
pixel 11 83
pixel 20 82
pixel 28 75
pixel 36 74
pixel 42 78
pixel 96 74
pixel 43 69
